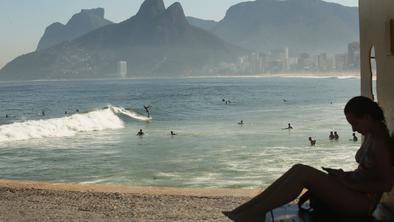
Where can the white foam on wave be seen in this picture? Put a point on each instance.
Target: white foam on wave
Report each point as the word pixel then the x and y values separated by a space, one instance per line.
pixel 129 113
pixel 97 120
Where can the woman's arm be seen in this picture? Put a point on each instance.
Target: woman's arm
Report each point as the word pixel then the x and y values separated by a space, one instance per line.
pixel 382 153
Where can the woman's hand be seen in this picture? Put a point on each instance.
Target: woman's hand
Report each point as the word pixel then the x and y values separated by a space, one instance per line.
pixel 339 173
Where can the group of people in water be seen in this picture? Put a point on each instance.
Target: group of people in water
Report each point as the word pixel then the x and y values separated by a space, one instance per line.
pixel 333 137
pixel 354 193
pixel 43 113
pixel 226 101
pixel 147 110
pixel 141 133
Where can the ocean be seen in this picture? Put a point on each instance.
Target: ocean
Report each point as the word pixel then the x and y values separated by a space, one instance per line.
pixel 85 131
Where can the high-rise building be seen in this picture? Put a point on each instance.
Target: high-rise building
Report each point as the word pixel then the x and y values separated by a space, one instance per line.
pixel 353 55
pixel 340 62
pixel 122 69
pixel 324 62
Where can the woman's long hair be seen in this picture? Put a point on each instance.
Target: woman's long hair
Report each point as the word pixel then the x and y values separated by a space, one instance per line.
pixel 360 106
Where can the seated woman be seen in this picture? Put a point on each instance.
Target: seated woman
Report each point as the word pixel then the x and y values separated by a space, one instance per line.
pixel 353 193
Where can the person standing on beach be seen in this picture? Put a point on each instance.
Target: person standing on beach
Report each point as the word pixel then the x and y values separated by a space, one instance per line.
pixel 351 193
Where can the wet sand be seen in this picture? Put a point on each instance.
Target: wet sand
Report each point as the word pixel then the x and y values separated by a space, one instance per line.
pixel 37 201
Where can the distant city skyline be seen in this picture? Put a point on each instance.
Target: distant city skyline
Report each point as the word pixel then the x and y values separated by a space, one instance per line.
pixel 23 22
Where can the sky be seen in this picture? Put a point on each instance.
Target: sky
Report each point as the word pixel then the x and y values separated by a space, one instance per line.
pixel 23 22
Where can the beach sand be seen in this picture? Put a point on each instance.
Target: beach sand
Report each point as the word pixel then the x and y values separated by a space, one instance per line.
pixel 37 201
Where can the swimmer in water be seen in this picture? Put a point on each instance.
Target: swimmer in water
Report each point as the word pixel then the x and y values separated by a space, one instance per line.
pixel 355 139
pixel 336 136
pixel 313 142
pixel 140 133
pixel 331 136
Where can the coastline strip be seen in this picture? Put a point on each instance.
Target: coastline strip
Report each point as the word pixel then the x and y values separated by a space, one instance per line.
pixel 206 192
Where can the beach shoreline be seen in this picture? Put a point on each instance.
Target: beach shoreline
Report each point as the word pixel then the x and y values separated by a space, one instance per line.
pixel 41 201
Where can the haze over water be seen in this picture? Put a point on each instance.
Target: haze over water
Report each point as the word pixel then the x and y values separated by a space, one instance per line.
pixel 99 145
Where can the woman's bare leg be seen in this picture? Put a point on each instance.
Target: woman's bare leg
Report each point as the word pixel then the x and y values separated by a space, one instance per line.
pixel 270 189
pixel 290 186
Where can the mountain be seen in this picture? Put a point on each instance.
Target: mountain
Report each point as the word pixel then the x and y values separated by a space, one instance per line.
pixel 79 24
pixel 301 25
pixel 155 42
pixel 201 23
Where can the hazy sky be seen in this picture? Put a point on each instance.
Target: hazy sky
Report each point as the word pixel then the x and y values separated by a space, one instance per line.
pixel 23 22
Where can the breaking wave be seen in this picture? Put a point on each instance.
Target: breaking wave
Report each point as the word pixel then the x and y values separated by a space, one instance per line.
pixel 103 119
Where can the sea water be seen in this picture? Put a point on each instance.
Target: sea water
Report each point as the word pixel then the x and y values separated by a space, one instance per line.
pixel 85 131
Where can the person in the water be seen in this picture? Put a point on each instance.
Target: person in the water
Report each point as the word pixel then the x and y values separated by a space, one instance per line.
pixel 147 109
pixel 336 136
pixel 140 133
pixel 355 139
pixel 312 141
pixel 288 126
pixel 331 136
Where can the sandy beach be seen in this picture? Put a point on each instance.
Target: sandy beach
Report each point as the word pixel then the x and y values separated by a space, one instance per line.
pixel 38 201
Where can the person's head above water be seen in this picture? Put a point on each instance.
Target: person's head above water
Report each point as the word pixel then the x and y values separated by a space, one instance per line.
pixel 362 113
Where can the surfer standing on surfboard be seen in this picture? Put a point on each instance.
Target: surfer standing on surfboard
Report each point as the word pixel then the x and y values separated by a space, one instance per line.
pixel 147 109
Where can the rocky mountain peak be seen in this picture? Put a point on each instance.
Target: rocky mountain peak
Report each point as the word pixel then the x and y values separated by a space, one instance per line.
pixel 151 9
pixel 175 14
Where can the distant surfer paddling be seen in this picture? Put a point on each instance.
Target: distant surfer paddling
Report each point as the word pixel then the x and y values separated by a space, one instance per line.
pixel 289 127
pixel 147 109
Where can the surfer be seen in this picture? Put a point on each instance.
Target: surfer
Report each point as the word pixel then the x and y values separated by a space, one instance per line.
pixel 147 109
pixel 241 122
pixel 140 133
pixel 172 133
pixel 289 127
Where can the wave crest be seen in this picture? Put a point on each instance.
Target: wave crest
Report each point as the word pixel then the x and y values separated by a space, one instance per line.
pixel 97 120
